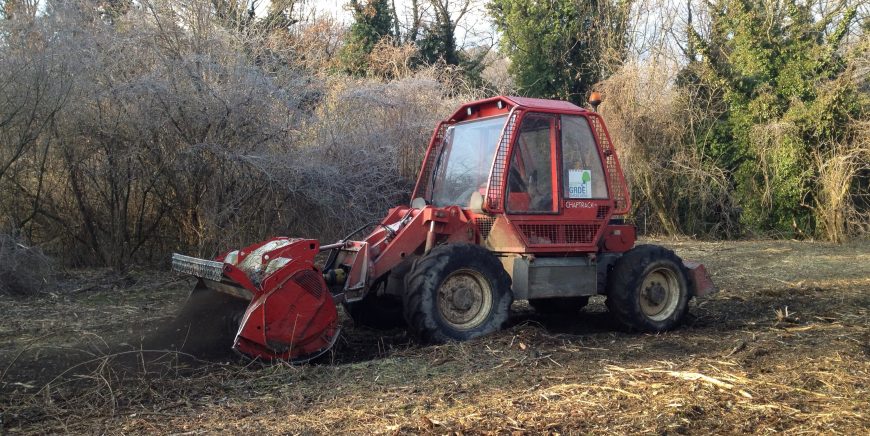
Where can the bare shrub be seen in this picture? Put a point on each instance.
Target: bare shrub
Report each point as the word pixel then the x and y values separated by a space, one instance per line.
pixel 34 85
pixel 24 270
pixel 497 74
pixel 313 44
pixel 156 146
pixel 181 131
pixel 361 152
pixel 676 189
pixel 842 202
pixel 391 61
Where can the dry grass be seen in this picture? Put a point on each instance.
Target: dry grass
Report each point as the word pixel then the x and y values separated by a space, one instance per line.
pixel 783 348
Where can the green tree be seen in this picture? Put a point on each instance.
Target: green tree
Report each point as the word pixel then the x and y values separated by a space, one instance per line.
pixel 372 21
pixel 774 65
pixel 561 48
pixel 438 41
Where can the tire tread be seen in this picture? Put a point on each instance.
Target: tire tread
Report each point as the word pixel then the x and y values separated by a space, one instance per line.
pixel 424 278
pixel 625 278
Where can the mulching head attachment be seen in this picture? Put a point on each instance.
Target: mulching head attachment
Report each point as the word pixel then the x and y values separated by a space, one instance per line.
pixel 290 313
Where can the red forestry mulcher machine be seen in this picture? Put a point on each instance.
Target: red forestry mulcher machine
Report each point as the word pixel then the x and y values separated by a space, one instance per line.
pixel 517 199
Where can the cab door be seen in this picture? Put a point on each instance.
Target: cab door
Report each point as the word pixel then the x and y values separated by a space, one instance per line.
pixel 532 187
pixel 557 189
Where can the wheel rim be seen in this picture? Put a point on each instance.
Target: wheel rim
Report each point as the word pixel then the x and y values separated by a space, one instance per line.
pixel 659 294
pixel 465 299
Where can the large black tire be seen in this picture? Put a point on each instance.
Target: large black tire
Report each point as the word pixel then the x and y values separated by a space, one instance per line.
pixel 456 292
pixel 647 289
pixel 559 306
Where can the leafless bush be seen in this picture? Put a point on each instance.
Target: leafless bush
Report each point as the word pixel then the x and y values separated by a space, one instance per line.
pixel 158 141
pixel 361 151
pixel 842 206
pixel 33 88
pixel 677 190
pixel 179 132
pixel 390 61
pixel 314 44
pixel 497 75
pixel 24 270
pixel 842 203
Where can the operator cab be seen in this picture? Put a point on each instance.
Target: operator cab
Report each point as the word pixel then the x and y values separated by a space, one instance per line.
pixel 542 171
pixel 469 143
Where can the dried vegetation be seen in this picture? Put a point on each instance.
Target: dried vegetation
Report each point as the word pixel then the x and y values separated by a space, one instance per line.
pixel 172 130
pixel 24 270
pixel 677 190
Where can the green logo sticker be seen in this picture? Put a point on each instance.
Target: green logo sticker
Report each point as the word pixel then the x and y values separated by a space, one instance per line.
pixel 579 184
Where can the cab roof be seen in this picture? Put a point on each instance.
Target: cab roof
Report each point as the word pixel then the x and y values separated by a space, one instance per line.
pixel 503 104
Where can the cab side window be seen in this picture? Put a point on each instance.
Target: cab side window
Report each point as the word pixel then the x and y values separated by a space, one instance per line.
pixel 530 180
pixel 582 173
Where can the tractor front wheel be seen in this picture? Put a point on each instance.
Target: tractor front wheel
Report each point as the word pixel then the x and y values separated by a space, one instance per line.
pixel 648 290
pixel 456 292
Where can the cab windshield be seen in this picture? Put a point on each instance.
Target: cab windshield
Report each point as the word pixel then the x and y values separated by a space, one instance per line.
pixel 465 161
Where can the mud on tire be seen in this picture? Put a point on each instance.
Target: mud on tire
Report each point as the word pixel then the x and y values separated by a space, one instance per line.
pixel 456 292
pixel 647 289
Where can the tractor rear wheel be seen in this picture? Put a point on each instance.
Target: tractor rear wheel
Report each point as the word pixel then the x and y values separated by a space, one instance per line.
pixel 559 306
pixel 456 292
pixel 648 290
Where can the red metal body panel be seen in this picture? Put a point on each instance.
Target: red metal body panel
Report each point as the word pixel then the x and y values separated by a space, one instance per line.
pixel 291 315
pixel 359 273
pixel 482 108
pixel 619 238
pixel 384 251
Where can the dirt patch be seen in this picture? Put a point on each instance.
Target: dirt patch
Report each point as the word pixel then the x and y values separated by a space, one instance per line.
pixel 205 327
pixel 783 347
